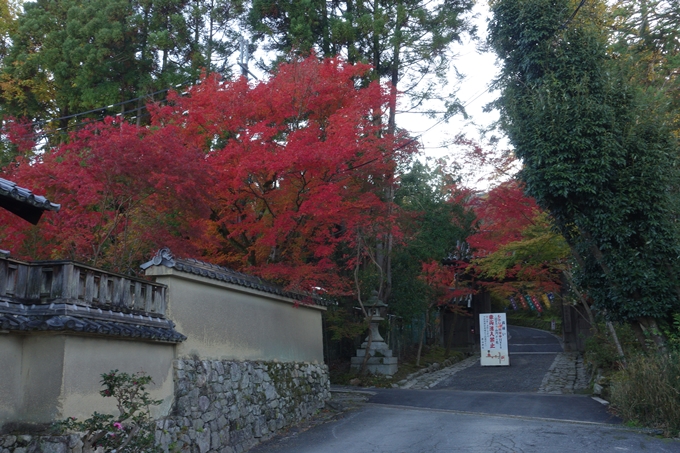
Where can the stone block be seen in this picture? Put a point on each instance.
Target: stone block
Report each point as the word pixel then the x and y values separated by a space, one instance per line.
pixel 53 447
pixel 215 441
pixel 225 438
pixel 235 372
pixel 203 440
pixel 377 365
pixel 203 403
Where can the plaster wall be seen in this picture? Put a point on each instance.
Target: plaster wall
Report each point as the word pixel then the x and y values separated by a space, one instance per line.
pixel 224 321
pixel 10 375
pixel 42 376
pixel 86 359
pixel 45 377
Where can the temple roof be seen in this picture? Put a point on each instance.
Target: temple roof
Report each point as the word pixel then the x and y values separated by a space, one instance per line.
pixel 61 317
pixel 23 202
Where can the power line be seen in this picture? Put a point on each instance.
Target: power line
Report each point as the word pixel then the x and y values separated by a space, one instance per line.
pixel 143 107
pixel 467 103
pixel 108 107
pixel 445 118
pixel 564 25
pixel 54 132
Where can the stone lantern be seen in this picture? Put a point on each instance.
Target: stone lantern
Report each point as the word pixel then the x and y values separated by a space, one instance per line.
pixel 380 359
pixel 376 309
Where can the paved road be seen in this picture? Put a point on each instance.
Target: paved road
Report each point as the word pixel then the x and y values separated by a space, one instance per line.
pixel 558 407
pixel 479 409
pixel 526 340
pixel 381 429
pixel 532 351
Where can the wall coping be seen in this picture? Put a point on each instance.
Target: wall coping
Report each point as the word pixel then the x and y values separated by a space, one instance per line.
pixel 165 264
pixel 174 273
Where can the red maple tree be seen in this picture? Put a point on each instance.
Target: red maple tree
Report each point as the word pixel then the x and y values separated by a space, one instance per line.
pixel 277 178
pixel 300 163
pixel 515 249
pixel 124 192
pixel 502 214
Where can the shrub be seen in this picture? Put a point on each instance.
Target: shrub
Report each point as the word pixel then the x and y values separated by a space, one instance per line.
pixel 601 352
pixel 647 391
pixel 132 431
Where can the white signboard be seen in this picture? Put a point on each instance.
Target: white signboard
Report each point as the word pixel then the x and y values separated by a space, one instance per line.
pixel 494 339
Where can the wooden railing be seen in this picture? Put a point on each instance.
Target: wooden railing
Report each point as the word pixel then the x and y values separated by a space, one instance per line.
pixel 48 282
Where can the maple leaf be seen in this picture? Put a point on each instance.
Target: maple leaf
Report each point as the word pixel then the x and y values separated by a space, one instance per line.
pixel 516 247
pixel 277 179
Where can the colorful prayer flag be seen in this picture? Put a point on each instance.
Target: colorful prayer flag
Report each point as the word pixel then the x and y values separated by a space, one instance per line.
pixel 537 304
pixel 546 301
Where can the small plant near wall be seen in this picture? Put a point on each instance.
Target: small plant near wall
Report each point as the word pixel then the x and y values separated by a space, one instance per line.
pixel 132 431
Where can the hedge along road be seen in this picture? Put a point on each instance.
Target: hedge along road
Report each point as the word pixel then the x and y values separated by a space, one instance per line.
pixel 479 409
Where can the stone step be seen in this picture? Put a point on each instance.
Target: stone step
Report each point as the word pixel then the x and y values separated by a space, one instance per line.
pixel 375 352
pixel 375 360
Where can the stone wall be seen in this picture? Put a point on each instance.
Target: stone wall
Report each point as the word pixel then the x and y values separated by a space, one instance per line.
pixel 219 406
pixel 227 406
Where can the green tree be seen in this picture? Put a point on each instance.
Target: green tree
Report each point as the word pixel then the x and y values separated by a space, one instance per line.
pixel 216 32
pixel 72 56
pixel 9 9
pixel 433 223
pixel 646 38
pixel 598 152
pixel 408 42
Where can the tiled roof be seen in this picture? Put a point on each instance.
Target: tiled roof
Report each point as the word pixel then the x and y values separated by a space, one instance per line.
pixel 224 274
pixel 71 318
pixel 10 189
pixel 23 202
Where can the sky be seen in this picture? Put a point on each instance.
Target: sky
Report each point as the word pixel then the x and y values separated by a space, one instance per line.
pixel 479 69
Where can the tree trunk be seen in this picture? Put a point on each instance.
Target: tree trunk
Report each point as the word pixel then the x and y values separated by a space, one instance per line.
pixel 651 330
pixel 615 337
pixel 449 336
pixel 582 299
pixel 422 335
pixel 369 341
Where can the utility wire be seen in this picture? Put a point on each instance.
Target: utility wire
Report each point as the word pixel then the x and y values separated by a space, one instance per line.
pixel 57 132
pixel 564 25
pixel 108 107
pixel 143 107
pixel 43 134
pixel 444 118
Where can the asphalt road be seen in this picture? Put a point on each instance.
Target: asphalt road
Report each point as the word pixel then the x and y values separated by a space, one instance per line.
pixel 480 409
pixel 524 340
pixel 557 407
pixel 532 351
pixel 382 429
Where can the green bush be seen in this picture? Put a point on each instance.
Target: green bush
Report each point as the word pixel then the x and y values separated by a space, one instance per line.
pixel 647 391
pixel 132 431
pixel 601 352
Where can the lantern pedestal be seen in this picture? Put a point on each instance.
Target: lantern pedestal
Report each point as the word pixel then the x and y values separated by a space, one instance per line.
pixel 380 360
